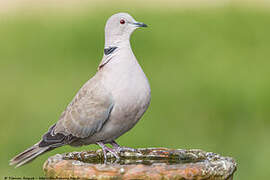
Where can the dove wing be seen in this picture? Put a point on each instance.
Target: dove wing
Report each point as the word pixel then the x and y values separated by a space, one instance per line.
pixel 87 112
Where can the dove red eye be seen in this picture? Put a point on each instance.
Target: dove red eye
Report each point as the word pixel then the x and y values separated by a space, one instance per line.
pixel 122 21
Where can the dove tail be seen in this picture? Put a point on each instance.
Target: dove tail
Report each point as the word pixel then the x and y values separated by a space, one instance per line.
pixel 48 143
pixel 29 154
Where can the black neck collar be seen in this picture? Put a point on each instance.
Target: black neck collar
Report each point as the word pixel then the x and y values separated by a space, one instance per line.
pixel 109 50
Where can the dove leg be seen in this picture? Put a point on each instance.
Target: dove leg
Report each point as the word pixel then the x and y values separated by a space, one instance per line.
pixel 118 148
pixel 106 149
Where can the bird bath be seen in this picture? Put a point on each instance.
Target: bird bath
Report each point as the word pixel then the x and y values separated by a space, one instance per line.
pixel 144 163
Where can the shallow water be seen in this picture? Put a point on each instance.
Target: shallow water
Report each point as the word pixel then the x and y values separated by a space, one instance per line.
pixel 142 156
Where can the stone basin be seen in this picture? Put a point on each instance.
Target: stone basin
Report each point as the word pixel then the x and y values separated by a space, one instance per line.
pixel 144 163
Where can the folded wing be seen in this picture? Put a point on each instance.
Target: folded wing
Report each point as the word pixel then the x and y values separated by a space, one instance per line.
pixel 87 112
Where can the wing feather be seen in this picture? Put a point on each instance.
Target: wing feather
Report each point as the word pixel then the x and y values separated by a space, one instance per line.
pixel 87 112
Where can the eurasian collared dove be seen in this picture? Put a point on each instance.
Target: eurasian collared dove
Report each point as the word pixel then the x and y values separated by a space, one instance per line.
pixel 107 105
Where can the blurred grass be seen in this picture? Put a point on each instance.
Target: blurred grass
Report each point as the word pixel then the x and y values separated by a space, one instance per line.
pixel 208 70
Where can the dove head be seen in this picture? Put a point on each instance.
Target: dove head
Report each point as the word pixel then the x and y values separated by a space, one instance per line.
pixel 119 27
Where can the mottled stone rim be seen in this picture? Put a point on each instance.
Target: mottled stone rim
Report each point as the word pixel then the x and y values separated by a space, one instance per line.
pixel 192 164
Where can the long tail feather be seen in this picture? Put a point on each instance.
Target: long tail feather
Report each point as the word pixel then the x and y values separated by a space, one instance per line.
pixel 28 155
pixel 49 142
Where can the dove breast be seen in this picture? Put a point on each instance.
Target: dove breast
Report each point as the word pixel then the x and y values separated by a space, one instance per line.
pixel 131 93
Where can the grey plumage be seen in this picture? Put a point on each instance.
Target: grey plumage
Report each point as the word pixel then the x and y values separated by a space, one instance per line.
pixel 107 105
pixel 87 112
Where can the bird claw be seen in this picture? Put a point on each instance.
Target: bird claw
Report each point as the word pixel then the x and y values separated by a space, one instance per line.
pixel 115 151
pixel 119 149
pixel 106 149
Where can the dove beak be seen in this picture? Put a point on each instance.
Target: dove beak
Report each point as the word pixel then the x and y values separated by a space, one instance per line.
pixel 140 24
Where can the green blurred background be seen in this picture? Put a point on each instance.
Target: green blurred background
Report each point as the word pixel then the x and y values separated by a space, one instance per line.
pixel 208 68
